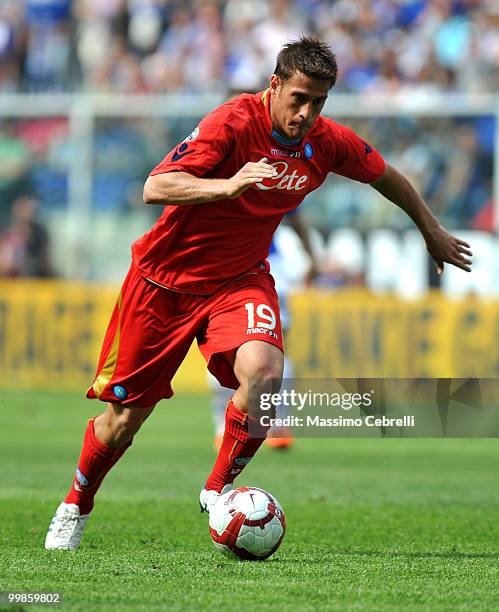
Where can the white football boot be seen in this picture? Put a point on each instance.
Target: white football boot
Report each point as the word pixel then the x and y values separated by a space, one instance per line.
pixel 207 499
pixel 66 528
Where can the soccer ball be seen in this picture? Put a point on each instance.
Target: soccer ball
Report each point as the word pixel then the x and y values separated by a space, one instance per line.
pixel 247 523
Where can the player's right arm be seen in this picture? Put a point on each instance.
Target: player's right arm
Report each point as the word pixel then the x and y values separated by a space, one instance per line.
pixel 181 188
pixel 185 176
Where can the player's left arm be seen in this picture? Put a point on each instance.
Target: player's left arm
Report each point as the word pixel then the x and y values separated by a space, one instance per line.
pixel 442 246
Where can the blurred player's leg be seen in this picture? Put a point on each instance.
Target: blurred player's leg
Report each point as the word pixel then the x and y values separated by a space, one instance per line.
pixel 219 400
pixel 106 439
pixel 257 366
pixel 282 438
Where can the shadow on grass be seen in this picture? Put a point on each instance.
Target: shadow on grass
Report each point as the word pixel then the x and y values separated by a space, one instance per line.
pixel 387 554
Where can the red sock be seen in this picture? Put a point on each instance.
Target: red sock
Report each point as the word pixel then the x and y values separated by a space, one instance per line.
pixel 236 451
pixel 96 459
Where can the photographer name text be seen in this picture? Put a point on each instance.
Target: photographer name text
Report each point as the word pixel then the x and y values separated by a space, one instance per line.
pixel 317 421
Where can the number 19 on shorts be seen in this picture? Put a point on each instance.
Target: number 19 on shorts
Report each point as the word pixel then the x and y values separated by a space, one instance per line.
pixel 261 319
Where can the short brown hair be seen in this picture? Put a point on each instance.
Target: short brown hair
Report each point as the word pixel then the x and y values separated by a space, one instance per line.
pixel 308 55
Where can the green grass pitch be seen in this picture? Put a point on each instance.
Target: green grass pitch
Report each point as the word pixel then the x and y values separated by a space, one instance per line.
pixel 373 524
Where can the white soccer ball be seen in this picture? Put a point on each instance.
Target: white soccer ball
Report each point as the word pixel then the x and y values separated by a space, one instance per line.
pixel 247 523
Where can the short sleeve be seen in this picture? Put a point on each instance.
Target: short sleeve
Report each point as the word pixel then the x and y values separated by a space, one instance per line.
pixel 204 148
pixel 353 157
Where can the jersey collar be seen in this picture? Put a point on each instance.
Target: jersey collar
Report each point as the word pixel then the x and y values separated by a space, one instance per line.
pixel 287 142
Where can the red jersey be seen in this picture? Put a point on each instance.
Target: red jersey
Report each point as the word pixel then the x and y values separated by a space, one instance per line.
pixel 197 248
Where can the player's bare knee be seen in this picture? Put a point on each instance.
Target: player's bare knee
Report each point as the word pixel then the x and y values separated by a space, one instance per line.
pixel 269 370
pixel 265 377
pixel 263 383
pixel 130 419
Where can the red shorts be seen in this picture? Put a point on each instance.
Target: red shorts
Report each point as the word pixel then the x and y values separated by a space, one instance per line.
pixel 152 329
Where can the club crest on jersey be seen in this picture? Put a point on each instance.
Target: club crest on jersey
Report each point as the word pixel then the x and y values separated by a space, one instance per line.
pixel 308 151
pixel 292 176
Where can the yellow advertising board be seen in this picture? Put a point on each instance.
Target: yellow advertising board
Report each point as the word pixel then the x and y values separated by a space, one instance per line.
pixel 353 333
pixel 51 333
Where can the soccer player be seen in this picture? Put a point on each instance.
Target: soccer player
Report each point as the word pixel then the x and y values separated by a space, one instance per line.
pixel 201 271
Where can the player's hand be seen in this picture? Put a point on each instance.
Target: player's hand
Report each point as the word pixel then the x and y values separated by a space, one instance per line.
pixel 445 248
pixel 312 273
pixel 250 173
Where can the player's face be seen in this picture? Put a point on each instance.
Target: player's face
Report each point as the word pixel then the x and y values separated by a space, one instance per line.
pixel 296 103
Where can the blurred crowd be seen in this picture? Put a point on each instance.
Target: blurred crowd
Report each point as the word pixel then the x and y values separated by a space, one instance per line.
pixel 24 242
pixel 192 46
pixel 139 46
